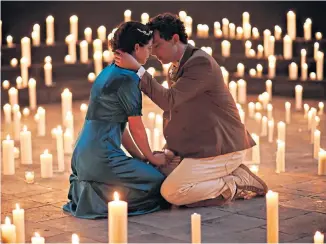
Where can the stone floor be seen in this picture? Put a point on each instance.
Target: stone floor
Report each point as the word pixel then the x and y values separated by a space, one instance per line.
pixel 302 194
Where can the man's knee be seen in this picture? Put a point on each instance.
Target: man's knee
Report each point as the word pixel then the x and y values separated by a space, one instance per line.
pixel 175 194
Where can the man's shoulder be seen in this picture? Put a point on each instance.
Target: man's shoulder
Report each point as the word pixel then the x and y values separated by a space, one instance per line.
pixel 200 57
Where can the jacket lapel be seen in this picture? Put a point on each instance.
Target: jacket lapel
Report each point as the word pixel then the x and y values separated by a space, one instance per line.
pixel 188 53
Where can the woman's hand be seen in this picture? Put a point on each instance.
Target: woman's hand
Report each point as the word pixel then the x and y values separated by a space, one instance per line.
pixel 158 159
pixel 125 60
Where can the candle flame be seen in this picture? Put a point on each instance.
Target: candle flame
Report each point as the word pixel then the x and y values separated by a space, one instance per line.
pixel 37 234
pixel 17 206
pixel 7 221
pixel 8 137
pixel 116 196
pixel 46 151
pixel 74 239
pixel 318 234
pixel 25 128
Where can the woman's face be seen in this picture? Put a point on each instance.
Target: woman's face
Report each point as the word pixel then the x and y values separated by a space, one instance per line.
pixel 141 54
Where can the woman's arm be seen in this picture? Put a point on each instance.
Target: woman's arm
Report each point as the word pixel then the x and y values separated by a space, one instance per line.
pixel 130 146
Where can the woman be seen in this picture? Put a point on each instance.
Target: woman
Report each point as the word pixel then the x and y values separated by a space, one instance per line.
pixel 99 165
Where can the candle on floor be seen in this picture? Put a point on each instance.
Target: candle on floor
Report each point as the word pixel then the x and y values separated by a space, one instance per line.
pixel 321 108
pixel 74 239
pixel 8 157
pixel 98 65
pixel 288 112
pixel 256 149
pixel 291 24
pixel 60 149
pixel 320 65
pixel 8 232
pixel 10 41
pixel 66 103
pixel 287 47
pixel 272 217
pixel 242 91
pixel 48 74
pixel 46 160
pixel 68 142
pixel 281 131
pixel 306 110
pixel 233 90
pixel 316 143
pixel 267 34
pixel 37 239
pixel 32 93
pixel 17 125
pixel 307 29
pixel 280 157
pixel 298 97
pixel 322 162
pixel 101 33
pixel 127 15
pixel 118 220
pixel 318 238
pixel 264 126
pixel 83 109
pixel 49 30
pixel 270 111
pixel 7 113
pixel 29 177
pixel 293 71
pixel 270 130
pixel 226 46
pixel 196 228
pixel 258 118
pixel 69 123
pixel 74 26
pixel 41 126
pixel 251 109
pixel 19 221
pixel 277 32
pixel 26 146
pixel 240 70
pixel 14 62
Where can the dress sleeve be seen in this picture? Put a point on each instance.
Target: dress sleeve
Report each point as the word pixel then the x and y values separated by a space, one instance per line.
pixel 130 96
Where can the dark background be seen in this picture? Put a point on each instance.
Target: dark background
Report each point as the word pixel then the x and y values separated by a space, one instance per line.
pixel 18 17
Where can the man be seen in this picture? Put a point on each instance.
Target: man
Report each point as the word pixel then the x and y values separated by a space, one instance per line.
pixel 204 126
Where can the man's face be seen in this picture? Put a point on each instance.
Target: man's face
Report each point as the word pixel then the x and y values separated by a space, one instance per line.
pixel 162 49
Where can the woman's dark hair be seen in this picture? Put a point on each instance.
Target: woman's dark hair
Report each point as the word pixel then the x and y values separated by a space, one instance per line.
pixel 168 24
pixel 129 34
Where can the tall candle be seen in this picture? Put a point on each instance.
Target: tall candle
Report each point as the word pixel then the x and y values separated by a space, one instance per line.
pixel 83 51
pixel 248 45
pixel 267 34
pixel 74 26
pixel 291 24
pixel 271 45
pixel 303 56
pixel 239 31
pixel 196 228
pixel 298 97
pixel 68 142
pixel 313 125
pixel 242 91
pixel 255 33
pixel 8 232
pixel 259 68
pixel 66 103
pixel 247 31
pixel 144 18
pixel 316 143
pixel 24 70
pixel 26 49
pixel 36 34
pixel 46 160
pixel 41 128
pixel 231 30
pixel 32 93
pixel 260 51
pixel 270 130
pixel 304 72
pixel 270 111
pixel 272 217
pixel 26 146
pixel 306 110
pixel 226 47
pixel 49 30
pixel 271 70
pixel 8 157
pixel 88 34
pixel 71 41
pixel 281 131
pixel 307 29
pixel 17 125
pixel 320 65
pixel 225 27
pixel 251 109
pixel 288 112
pixel 318 238
pixel 256 149
pixel 60 149
pixel 7 113
pixel 287 47
pixel 240 70
pixel 118 220
pixel 98 65
pixel 101 33
pixel 245 18
pixel 268 85
pixel 37 239
pixel 293 71
pixel 19 221
pixel 264 126
pixel 233 90
pixel 127 15
pixel 321 108
pixel 48 74
pixel 280 156
pixel 277 32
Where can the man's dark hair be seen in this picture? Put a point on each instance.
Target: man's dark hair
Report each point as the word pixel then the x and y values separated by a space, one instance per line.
pixel 129 34
pixel 168 24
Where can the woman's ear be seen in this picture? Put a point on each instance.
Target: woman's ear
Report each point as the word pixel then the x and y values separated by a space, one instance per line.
pixel 136 47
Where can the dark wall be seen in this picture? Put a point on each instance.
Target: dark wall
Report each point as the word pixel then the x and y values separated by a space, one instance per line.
pixel 19 17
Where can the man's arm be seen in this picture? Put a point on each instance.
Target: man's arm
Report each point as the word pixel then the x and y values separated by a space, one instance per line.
pixel 196 79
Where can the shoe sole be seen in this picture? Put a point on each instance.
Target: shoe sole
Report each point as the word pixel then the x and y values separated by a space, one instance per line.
pixel 258 191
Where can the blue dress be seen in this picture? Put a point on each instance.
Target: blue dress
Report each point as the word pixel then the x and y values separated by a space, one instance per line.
pixel 99 165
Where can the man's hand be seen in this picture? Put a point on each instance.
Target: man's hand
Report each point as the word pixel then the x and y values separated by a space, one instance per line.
pixel 125 60
pixel 159 159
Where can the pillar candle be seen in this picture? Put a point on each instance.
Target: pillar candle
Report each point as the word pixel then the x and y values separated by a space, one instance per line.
pixel 225 27
pixel 242 91
pixel 24 70
pixel 60 149
pixel 245 18
pixel 14 62
pixel 108 56
pixel 231 31
pixel 68 142
pixel 48 74
pixel 291 24
pixel 271 45
pixel 270 130
pixel 19 82
pixel 101 33
pixel 272 217
pixel 5 84
pixel 304 72
pixel 196 228
pixel 233 90
pixel 19 221
pixel 316 143
pixel 242 116
pixel 98 65
pixel 313 125
pixel 226 48
pixel 127 15
pixel 49 30
pixel 8 158
pixel 17 125
pixel 36 35
pixel 225 74
pixel 268 84
pixel 248 45
pixel 271 70
pixel 97 46
pixel 303 56
pixel 71 42
pixel 293 71
pixel 88 34
pixel 259 68
pixel 91 77
pixel 255 33
pixel 320 65
pixel 83 110
pixel 32 93
pixel 247 31
pixel 316 49
pixel 26 49
pixel 8 232
pixel 74 26
pixel 118 220
pixel 240 70
pixel 255 149
pixel 322 162
pixel 318 238
pixel 26 146
pixel 287 47
pixel 41 126
pixel 270 111
pixel 9 41
pixel 66 103
pixel 318 36
pixel 298 97
pixel 288 112
pixel 277 32
pixel 280 157
pixel 321 108
pixel 264 126
pixel 252 72
pixel 312 76
pixel 188 25
pixel 307 29
pixel 258 118
pixel 144 18
pixel 260 51
pixel 281 131
pixel 37 239
pixel 46 160
pixel 251 109
pixel 7 113
pixel 239 32
pixel 267 34
pixel 306 110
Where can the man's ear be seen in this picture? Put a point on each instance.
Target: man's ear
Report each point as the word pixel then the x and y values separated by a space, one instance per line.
pixel 136 47
pixel 175 38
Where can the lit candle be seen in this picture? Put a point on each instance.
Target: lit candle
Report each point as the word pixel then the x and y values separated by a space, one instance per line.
pixel 277 32
pixel 36 35
pixel 231 30
pixel 281 131
pixel 108 56
pixel 26 146
pixel 252 53
pixel 293 71
pixel 48 74
pixel 66 103
pixel 255 33
pixel 271 70
pixel 225 27
pixel 49 30
pixel 68 59
pixel 298 97
pixel 8 232
pixel 260 51
pixel 91 77
pixel 320 65
pixel 258 118
pixel 24 70
pixel 83 110
pixel 98 65
pixel 48 59
pixel 256 149
pixel 267 34
pixel 46 160
pixel 239 32
pixel 242 91
pixel 19 221
pixel 60 149
pixel 272 217
pixel 316 49
pixel 288 112
pixel 242 116
pixel 144 18
pixel 26 49
pixel 29 177
pixel 14 62
pixel 41 125
pixel 322 162
pixel 74 27
pixel 83 51
pixel 196 228
pixel 88 34
pixel 68 142
pixel 101 33
pixel 8 159
pixel 37 239
pixel 271 44
pixel 9 41
pixel 259 68
pixel 74 239
pixel 321 108
pixel 217 29
pixel 307 29
pixel 316 143
pixel 306 110
pixel 251 109
pixel 118 220
pixel 245 18
pixel 287 47
pixel 32 93
pixel 233 90
pixel 252 72
pixel 127 15
pixel 268 84
pixel 7 113
pixel 71 41
pixel 240 70
pixel 304 72
pixel 318 36
pixel 312 76
pixel 69 123
pixel 248 45
pixel 291 24
pixel 303 56
pixel 225 74
pixel 318 238
pixel 226 46
pixel 280 157
pixel 263 126
pixel 270 130
pixel 247 31
pixel 188 25
pixel 270 111
pixel 17 125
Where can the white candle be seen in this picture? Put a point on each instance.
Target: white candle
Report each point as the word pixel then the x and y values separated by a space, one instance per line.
pixel 318 238
pixel 60 149
pixel 267 34
pixel 258 118
pixel 16 152
pixel 98 65
pixel 271 70
pixel 270 130
pixel 127 15
pixel 321 108
pixel 231 30
pixel 41 126
pixel 252 72
pixel 233 90
pixel 8 159
pixel 287 47
pixel 7 113
pixel 74 26
pixel 247 31
pixel 225 27
pixel 188 25
pixel 14 62
pixel 48 74
pixel 68 142
pixel 83 110
pixel 291 24
pixel 252 53
pixel 312 76
pixel 320 65
pixel 318 36
pixel 108 56
pixel 226 48
pixel 196 228
pixel 36 35
pixel 245 18
pixel 259 68
pixel 29 177
pixel 306 110
pixel 9 41
pixel 307 29
pixel 288 112
pixel 66 103
pixel 248 45
pixel 5 84
pixel 251 109
pixel 280 157
pixel 272 217
pixel 316 49
pixel 256 149
pixel 26 146
pixel 118 220
pixel 281 131
pixel 277 32
pixel 69 122
pixel 304 72
pixel 101 33
pixel 270 111
pixel 239 32
pixel 24 70
pixel 303 56
pixel 217 29
pixel 17 126
pixel 144 18
pixel 242 116
pixel 68 59
pixel 83 51
pixel 255 33
pixel 322 162
pixel 71 41
pixel 271 44
pixel 46 160
pixel 242 91
pixel 88 34
pixel 37 239
pixel 8 232
pixel 264 126
pixel 298 97
pixel 32 93
pixel 91 77
pixel 49 30
pixel 19 221
pixel 26 49
pixel 225 74
pixel 156 140
pixel 268 84
pixel 316 143
pixel 240 70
